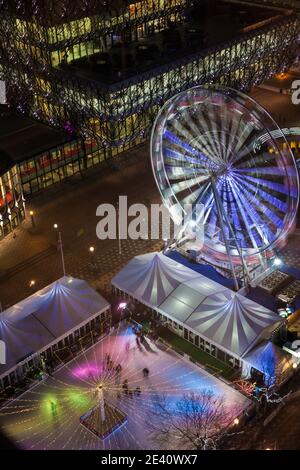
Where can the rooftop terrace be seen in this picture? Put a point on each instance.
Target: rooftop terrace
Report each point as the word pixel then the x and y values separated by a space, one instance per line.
pixel 125 60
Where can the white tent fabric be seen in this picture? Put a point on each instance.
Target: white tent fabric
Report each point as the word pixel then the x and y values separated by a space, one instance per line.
pixel 151 277
pixel 45 316
pixel 22 338
pixel 232 321
pixel 223 317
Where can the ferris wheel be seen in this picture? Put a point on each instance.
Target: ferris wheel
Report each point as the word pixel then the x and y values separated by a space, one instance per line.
pixel 204 151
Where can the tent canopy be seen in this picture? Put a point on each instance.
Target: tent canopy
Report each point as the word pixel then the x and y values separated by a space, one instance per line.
pixel 226 318
pixel 45 316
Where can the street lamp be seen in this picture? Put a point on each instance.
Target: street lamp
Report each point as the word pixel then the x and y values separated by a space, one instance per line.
pixel 55 226
pixel 277 262
pixel 32 219
pixel 236 421
pixel 92 262
pixel 32 283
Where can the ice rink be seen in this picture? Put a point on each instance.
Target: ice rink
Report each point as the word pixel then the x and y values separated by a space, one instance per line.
pixel 48 416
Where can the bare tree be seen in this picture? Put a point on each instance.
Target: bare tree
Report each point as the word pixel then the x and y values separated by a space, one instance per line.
pixel 196 421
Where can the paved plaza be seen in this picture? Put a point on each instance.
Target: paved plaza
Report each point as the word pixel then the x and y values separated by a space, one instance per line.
pixel 72 206
pixel 47 417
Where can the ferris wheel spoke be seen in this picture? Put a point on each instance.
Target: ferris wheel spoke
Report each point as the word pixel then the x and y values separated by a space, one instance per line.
pixel 250 219
pixel 249 225
pixel 216 132
pixel 186 172
pixel 241 139
pixel 191 197
pixel 272 185
pixel 234 129
pixel 207 133
pixel 277 203
pixel 199 143
pixel 177 141
pixel 189 122
pixel 179 157
pixel 196 157
pixel 262 159
pixel 207 150
pixel 186 185
pixel 174 161
pixel 190 180
pixel 261 206
pixel 248 149
pixel 264 171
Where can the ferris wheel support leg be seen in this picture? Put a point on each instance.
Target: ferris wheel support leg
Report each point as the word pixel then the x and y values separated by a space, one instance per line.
pixel 219 209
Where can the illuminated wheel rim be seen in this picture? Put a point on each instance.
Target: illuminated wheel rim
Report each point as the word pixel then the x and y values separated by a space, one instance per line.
pixel 208 136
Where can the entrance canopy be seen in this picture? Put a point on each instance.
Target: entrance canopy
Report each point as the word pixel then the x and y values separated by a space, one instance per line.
pixel 46 316
pixel 216 313
pixel 270 360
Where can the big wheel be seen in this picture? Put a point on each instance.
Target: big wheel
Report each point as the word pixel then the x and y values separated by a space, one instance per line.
pixel 204 150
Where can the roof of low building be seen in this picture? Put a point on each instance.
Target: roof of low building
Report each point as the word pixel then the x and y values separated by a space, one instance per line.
pixel 22 138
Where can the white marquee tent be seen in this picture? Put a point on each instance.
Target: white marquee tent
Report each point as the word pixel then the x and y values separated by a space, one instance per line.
pixel 225 318
pixel 46 317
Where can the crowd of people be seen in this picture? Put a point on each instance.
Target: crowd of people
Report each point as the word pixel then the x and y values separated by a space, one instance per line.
pixel 116 369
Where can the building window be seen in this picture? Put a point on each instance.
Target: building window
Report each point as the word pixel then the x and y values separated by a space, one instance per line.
pixel 221 355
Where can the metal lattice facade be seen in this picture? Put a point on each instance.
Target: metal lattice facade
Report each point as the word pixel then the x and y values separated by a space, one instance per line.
pixel 40 38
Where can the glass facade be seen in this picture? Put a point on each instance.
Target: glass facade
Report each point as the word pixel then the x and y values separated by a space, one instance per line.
pixel 59 163
pixel 94 72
